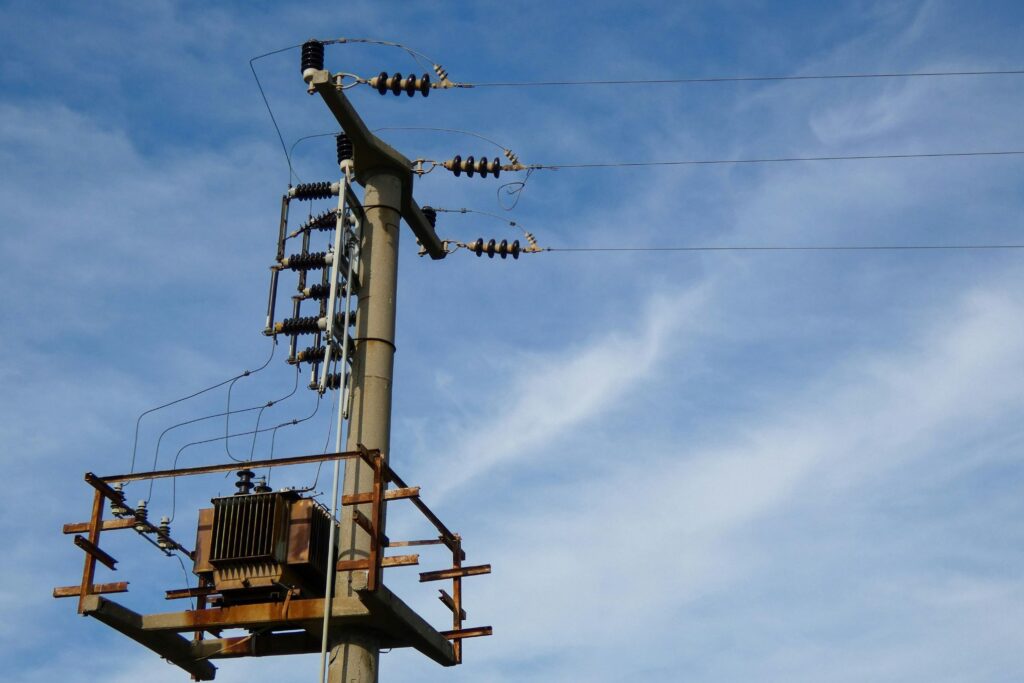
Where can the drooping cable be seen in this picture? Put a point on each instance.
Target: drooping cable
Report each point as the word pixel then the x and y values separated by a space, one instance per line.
pixel 244 373
pixel 287 423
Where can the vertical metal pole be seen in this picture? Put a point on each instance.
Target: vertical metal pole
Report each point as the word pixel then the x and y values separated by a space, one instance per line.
pixel 355 655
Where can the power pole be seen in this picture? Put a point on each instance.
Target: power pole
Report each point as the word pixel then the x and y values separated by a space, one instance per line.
pixel 387 178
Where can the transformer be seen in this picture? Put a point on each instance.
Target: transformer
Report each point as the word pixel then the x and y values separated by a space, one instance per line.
pixel 254 547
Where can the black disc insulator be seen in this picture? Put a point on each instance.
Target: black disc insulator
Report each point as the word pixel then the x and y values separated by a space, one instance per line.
pixel 478 246
pixel 344 147
pixel 311 261
pixel 333 380
pixel 425 85
pixel 468 167
pixel 305 325
pixel 503 249
pixel 409 85
pixel 321 190
pixel 382 82
pixel 496 166
pixel 325 221
pixel 490 249
pixel 515 249
pixel 244 483
pixel 431 215
pixel 457 165
pixel 312 55
pixel 396 84
pixel 321 292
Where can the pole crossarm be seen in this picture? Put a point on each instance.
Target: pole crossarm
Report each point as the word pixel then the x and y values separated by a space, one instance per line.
pixel 373 155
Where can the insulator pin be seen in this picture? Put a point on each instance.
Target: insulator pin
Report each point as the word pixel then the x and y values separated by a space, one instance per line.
pixel 312 55
pixel 309 191
pixel 262 486
pixel 469 166
pixel 117 507
pixel 396 84
pixel 344 147
pixel 163 537
pixel 141 517
pixel 431 215
pixel 502 249
pixel 244 483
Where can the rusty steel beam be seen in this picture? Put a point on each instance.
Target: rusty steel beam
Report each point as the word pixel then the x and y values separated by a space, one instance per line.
pixel 405 544
pixel 468 633
pixel 256 645
pixel 256 615
pixel 94 589
pixel 199 592
pixel 395 561
pixel 96 552
pixel 367 497
pixel 455 572
pixel 213 469
pixel 106 525
pixel 449 602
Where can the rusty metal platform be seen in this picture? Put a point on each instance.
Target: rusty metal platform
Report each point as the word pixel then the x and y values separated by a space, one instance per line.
pixel 277 628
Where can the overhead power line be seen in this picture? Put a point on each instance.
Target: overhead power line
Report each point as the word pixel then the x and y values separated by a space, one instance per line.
pixel 745 79
pixel 768 160
pixel 858 247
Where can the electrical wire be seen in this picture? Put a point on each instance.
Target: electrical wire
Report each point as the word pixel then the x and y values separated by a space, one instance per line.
pixel 244 373
pixel 174 465
pixel 261 408
pixel 266 102
pixel 772 160
pixel 746 79
pixel 856 247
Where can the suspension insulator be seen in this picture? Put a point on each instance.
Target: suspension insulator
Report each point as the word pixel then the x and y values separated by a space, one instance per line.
pixel 309 191
pixel 311 261
pixel 492 249
pixel 457 165
pixel 244 483
pixel 431 215
pixel 312 55
pixel 344 147
pixel 396 84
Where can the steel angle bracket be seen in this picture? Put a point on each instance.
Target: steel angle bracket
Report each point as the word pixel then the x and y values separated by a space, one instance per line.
pixel 373 155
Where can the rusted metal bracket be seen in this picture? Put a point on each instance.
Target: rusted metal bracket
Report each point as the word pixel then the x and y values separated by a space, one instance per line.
pixel 455 572
pixel 96 552
pixel 95 589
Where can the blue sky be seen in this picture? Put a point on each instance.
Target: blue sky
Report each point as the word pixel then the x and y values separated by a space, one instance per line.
pixel 702 467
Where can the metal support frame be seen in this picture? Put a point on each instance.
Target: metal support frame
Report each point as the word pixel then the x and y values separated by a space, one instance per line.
pixel 290 626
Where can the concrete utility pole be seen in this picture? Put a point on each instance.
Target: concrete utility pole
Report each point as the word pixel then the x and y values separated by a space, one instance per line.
pixel 354 658
pixel 387 177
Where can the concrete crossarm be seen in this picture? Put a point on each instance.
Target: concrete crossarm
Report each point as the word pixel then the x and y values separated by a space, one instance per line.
pixel 373 155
